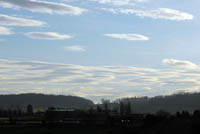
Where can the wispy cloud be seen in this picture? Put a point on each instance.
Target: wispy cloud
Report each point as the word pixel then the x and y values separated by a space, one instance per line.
pixel 113 81
pixel 5 31
pixel 128 36
pixel 161 13
pixel 120 2
pixel 42 6
pixel 181 64
pixel 48 36
pixel 75 48
pixel 15 21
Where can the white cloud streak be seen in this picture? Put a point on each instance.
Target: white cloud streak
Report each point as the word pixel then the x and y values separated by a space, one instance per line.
pixel 161 13
pixel 5 31
pixel 74 48
pixel 112 81
pixel 15 21
pixel 128 36
pixel 42 6
pixel 48 36
pixel 181 64
pixel 120 2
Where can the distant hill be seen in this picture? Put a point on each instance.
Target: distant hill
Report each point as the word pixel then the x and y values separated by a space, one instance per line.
pixel 44 101
pixel 172 103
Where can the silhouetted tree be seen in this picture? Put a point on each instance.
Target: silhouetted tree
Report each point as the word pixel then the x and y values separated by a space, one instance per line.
pixel 162 113
pixel 196 114
pixel 99 109
pixel 128 108
pixel 185 114
pixel 91 111
pixel 29 110
pixel 121 108
pixel 178 114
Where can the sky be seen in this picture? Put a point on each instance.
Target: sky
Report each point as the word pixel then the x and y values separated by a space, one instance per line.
pixel 100 48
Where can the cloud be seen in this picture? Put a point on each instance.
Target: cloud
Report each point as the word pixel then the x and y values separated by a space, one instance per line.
pixel 15 21
pixel 42 6
pixel 128 36
pixel 120 2
pixel 75 48
pixel 160 13
pixel 48 36
pixel 5 31
pixel 147 88
pixel 184 90
pixel 88 81
pixel 181 64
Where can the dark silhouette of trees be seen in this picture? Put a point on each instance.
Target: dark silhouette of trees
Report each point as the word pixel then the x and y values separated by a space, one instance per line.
pixel 128 110
pixel 29 110
pixel 125 107
pixel 121 108
pixel 44 101
pixel 196 114
pixel 171 103
pixel 99 109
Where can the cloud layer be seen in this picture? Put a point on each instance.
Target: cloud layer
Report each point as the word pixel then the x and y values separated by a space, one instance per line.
pixel 91 81
pixel 48 36
pixel 42 6
pixel 15 21
pixel 161 13
pixel 128 36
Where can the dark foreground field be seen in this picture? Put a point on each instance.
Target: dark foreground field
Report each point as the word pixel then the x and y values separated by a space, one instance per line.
pixel 180 127
pixel 60 130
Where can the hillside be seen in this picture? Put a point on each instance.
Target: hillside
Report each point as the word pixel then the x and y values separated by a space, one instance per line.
pixel 172 103
pixel 43 101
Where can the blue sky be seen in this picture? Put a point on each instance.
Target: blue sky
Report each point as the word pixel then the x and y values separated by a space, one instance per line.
pixel 99 48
